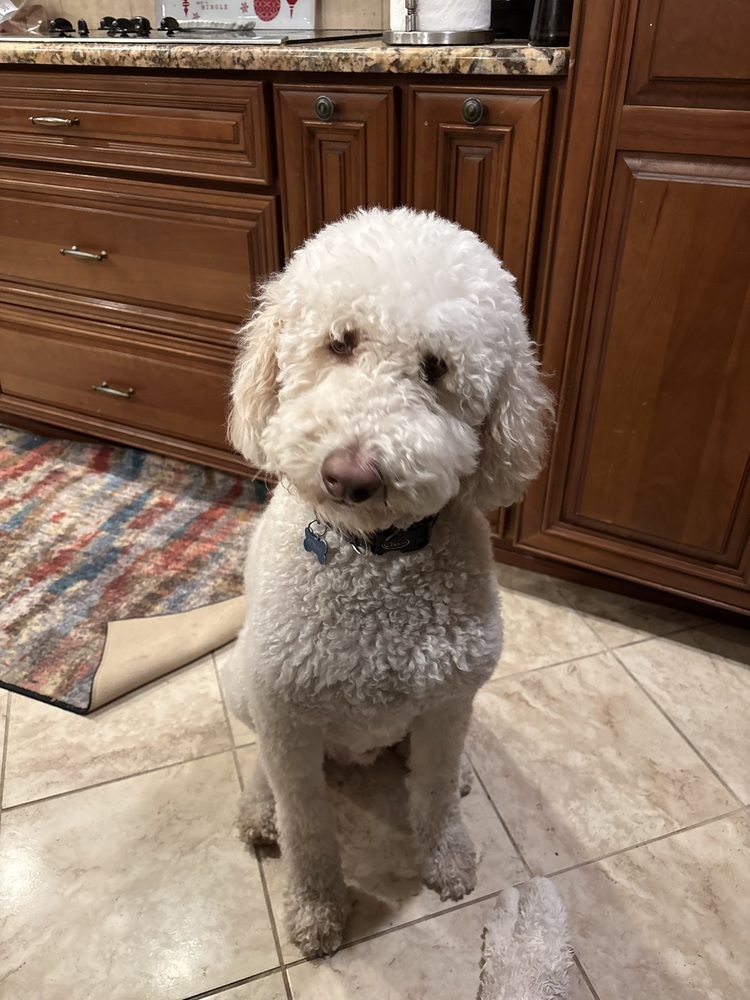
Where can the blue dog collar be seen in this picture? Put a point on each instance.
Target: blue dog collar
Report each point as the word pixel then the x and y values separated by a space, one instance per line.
pixel 379 543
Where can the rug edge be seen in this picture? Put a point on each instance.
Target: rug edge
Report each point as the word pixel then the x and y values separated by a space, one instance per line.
pixel 138 651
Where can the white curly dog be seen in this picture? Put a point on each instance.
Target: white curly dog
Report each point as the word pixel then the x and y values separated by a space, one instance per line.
pixel 387 380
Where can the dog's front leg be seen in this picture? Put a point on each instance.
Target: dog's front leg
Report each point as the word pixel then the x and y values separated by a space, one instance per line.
pixel 315 893
pixel 445 851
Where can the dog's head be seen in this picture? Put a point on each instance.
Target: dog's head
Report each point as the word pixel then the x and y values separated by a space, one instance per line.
pixel 387 369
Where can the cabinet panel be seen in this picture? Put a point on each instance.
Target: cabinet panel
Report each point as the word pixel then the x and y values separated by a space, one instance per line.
pixel 662 448
pixel 200 128
pixel 650 476
pixel 160 391
pixel 484 176
pixel 177 259
pixel 329 168
pixel 690 53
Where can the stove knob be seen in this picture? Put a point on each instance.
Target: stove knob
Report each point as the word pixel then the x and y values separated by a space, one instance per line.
pixel 83 28
pixel 106 23
pixel 142 26
pixel 124 25
pixel 61 24
pixel 170 25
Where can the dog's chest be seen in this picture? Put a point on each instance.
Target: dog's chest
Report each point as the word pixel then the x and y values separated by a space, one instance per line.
pixel 378 630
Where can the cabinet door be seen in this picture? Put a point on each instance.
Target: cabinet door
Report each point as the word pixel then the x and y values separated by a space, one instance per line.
pixel 653 481
pixel 662 445
pixel 330 166
pixel 485 176
pixel 649 477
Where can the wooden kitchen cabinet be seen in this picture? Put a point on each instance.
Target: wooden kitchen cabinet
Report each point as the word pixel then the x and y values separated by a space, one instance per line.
pixel 650 472
pixel 484 174
pixel 156 124
pixel 337 152
pixel 176 259
pixel 138 212
pixel 173 197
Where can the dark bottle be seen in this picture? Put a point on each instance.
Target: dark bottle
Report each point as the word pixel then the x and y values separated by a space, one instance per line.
pixel 550 22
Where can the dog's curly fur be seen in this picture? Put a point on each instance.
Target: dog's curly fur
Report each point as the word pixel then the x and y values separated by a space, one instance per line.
pixel 525 949
pixel 354 655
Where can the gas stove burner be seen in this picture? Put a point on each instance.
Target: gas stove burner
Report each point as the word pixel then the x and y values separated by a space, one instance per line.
pixel 114 27
pixel 125 27
pixel 137 29
pixel 61 27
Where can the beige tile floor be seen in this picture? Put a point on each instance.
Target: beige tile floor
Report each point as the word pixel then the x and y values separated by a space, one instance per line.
pixel 612 749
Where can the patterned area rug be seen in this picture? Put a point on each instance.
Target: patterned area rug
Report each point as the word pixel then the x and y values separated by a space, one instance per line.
pixel 117 566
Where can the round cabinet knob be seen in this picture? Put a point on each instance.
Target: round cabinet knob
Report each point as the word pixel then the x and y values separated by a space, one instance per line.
pixel 472 110
pixel 325 108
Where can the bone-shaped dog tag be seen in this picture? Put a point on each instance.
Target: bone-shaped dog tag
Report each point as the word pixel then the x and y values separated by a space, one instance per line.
pixel 316 544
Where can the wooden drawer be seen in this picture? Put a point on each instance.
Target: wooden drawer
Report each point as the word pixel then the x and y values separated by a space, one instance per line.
pixel 177 259
pixel 164 390
pixel 168 125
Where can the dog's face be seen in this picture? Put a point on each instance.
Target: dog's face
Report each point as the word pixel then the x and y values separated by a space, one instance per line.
pixel 374 364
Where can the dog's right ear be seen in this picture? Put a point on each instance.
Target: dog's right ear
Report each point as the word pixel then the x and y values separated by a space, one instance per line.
pixel 255 383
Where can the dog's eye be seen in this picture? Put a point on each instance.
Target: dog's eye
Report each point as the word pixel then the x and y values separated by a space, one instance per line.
pixel 433 368
pixel 343 345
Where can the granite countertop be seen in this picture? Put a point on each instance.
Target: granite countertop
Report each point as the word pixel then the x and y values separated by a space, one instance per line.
pixel 361 56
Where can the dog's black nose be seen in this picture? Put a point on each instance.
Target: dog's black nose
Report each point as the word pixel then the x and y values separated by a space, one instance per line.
pixel 350 478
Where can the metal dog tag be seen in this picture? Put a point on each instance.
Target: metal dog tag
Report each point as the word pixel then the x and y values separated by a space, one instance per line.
pixel 316 543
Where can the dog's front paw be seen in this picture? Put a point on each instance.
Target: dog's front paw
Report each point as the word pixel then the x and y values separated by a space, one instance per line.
pixel 316 926
pixel 257 820
pixel 451 868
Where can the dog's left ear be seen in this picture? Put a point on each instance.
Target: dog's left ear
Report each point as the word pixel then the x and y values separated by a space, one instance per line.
pixel 514 435
pixel 255 383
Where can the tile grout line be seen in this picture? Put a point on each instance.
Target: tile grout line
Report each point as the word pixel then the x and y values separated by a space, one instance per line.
pixel 644 843
pixel 218 990
pixel 400 927
pixel 504 825
pixel 569 604
pixel 256 851
pixel 6 737
pixel 606 649
pixel 122 777
pixel 573 659
pixel 274 931
pixel 677 729
pixel 585 976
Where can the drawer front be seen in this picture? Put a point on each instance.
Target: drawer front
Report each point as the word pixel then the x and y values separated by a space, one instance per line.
pixel 197 128
pixel 161 391
pixel 169 258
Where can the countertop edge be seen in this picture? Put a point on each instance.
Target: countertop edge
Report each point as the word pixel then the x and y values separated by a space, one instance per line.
pixel 358 57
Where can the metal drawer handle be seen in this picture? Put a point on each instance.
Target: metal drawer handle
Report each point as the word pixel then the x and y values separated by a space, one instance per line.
pixel 472 110
pixel 83 254
pixel 54 122
pixel 325 108
pixel 106 388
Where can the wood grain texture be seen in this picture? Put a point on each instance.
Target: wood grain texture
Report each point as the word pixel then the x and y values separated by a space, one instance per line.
pixel 487 176
pixel 186 254
pixel 662 450
pixel 329 168
pixel 646 322
pixel 691 54
pixel 173 395
pixel 169 125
